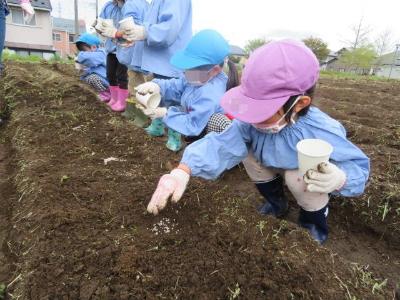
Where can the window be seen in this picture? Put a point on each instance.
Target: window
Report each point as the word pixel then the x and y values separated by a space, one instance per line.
pixel 17 17
pixel 56 37
pixel 22 53
pixel 36 53
pixel 71 38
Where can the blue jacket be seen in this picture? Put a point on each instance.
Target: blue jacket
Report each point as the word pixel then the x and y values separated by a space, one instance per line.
pixel 5 6
pixel 111 11
pixel 95 63
pixel 215 153
pixel 196 103
pixel 136 9
pixel 168 25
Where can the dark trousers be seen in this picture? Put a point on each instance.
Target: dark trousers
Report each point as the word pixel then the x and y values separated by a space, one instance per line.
pixel 117 74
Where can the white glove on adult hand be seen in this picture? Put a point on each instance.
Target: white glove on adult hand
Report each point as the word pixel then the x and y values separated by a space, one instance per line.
pixel 149 87
pixel 135 33
pixel 27 7
pixel 98 24
pixel 327 179
pixel 109 31
pixel 173 184
pixel 155 113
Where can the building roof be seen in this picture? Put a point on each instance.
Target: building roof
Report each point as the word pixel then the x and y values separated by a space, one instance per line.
pixel 236 50
pixel 39 4
pixel 388 59
pixel 68 25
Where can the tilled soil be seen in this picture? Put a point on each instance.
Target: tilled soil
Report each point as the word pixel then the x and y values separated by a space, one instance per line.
pixel 73 227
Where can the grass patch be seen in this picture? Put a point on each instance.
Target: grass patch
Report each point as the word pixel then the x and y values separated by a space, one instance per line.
pixel 11 56
pixel 347 75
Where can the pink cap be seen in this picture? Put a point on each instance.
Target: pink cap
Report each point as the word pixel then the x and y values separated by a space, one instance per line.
pixel 273 74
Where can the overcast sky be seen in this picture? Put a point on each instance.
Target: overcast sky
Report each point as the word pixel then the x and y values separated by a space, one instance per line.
pixel 240 21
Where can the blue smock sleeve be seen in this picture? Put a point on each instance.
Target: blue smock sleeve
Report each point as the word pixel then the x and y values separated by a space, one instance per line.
pixel 135 9
pixel 171 89
pixel 91 59
pixel 170 21
pixel 192 120
pixel 103 11
pixel 355 164
pixel 215 153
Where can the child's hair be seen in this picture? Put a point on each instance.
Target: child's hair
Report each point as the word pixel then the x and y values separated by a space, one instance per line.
pixel 289 103
pixel 233 76
pixel 81 46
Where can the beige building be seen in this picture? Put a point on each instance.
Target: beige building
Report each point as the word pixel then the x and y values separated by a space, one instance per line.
pixel 33 38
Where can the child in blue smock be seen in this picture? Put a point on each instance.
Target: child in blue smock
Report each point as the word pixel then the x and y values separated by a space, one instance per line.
pixel 273 112
pixel 117 73
pixel 116 11
pixel 91 60
pixel 198 93
pixel 166 29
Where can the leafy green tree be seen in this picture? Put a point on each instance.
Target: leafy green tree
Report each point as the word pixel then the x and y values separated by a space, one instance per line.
pixel 254 44
pixel 318 46
pixel 359 58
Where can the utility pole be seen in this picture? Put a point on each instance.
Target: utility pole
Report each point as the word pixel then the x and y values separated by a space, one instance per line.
pixel 76 20
pixel 394 59
pixel 97 9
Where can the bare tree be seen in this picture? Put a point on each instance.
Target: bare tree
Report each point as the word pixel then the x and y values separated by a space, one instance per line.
pixel 360 34
pixel 384 42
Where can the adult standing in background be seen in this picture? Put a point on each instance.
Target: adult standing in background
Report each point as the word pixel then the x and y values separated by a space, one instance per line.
pixel 4 11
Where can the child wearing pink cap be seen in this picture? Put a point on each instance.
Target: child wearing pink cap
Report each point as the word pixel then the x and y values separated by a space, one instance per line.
pixel 273 112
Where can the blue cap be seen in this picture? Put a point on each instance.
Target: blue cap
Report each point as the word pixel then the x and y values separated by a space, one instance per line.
pixel 90 39
pixel 207 47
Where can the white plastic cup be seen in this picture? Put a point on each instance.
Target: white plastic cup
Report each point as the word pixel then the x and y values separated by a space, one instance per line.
pixel 126 23
pixel 149 100
pixel 312 152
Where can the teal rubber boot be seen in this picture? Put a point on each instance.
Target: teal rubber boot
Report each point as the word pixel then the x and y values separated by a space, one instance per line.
pixel 156 128
pixel 174 142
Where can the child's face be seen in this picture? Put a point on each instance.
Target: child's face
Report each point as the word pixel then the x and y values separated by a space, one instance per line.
pixel 89 48
pixel 303 102
pixel 201 75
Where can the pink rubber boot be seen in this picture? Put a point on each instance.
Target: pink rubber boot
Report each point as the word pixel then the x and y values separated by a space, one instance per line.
pixel 120 105
pixel 114 95
pixel 105 96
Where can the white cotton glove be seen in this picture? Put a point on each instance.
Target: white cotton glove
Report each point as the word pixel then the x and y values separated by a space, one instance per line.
pixel 95 25
pixel 98 24
pixel 155 113
pixel 106 27
pixel 149 87
pixel 135 33
pixel 172 184
pixel 327 179
pixel 109 31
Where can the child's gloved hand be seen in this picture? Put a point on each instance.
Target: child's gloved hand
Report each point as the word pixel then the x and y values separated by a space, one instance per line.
pixel 155 113
pixel 149 87
pixel 109 31
pixel 327 179
pixel 135 33
pixel 172 184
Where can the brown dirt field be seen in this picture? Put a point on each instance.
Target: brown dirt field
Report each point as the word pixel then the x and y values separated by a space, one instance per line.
pixel 72 227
